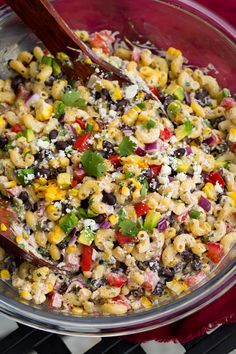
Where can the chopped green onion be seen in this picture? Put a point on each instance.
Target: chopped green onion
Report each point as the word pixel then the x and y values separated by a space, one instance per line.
pixel 150 124
pixel 194 214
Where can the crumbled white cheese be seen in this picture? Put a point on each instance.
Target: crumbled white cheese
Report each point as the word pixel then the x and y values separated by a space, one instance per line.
pixel 44 144
pixel 91 224
pixel 165 171
pixel 218 188
pixel 29 177
pixel 181 176
pixel 131 91
pixel 173 139
pixel 112 113
pixel 164 180
pixel 61 153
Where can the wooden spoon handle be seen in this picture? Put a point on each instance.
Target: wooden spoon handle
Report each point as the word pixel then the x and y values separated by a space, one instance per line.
pixel 42 18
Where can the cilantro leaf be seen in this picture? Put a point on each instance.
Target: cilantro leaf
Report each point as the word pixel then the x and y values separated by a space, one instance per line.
pixel 93 163
pixel 188 127
pixel 72 99
pixel 127 146
pixel 128 227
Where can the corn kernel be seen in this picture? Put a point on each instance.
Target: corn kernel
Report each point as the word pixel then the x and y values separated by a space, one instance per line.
pixel 210 191
pixel 94 124
pixel 2 124
pixel 40 273
pixel 73 192
pixel 136 194
pixel 207 131
pixel 25 235
pixel 232 195
pixel 125 191
pixel 232 135
pixel 113 219
pixel 172 53
pixel 77 311
pixel 63 180
pixel 56 235
pixel 54 193
pixel 19 238
pixel 10 184
pixel 4 274
pixel 197 109
pixel 55 252
pixel 43 110
pixel 3 227
pixel 71 249
pixel 182 166
pixel 117 94
pixel 62 56
pixel 49 287
pixel 131 116
pixel 24 294
pixel 42 181
pixel 145 302
pixel 88 60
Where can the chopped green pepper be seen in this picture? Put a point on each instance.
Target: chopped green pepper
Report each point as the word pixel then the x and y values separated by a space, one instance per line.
pixel 86 236
pixel 194 214
pixel 68 222
pixel 151 220
pixel 56 68
pixel 173 108
pixel 25 176
pixel 183 130
pixel 222 94
pixel 47 60
pixel 59 109
pixel 29 134
pixel 150 124
pixel 175 90
pixel 141 105
pixel 89 127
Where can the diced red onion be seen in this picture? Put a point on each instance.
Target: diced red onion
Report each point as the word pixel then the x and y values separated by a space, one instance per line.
pixel 162 225
pixel 105 224
pixel 187 97
pixel 171 178
pixel 72 237
pixel 61 119
pixel 136 54
pixel 77 283
pixel 151 147
pixel 204 203
pixel 188 150
pixel 72 131
pixel 127 131
pixel 32 99
pixel 210 141
pixel 140 152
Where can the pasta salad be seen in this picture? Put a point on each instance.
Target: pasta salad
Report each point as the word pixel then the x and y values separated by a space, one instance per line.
pixel 135 198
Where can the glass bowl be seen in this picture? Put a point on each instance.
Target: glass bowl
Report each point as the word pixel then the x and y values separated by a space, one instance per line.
pixel 204 38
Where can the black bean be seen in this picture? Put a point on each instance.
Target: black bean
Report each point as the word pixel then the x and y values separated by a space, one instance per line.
pixel 179 267
pixel 147 173
pixel 120 105
pixel 196 264
pixel 159 289
pixel 153 185
pixel 97 95
pixel 62 244
pixel 137 292
pixel 28 205
pixel 154 265
pixel 3 141
pixel 97 283
pixel 187 256
pixel 202 97
pixel 105 93
pixel 49 81
pixel 100 218
pixel 109 198
pixel 15 82
pixel 61 145
pixel 216 122
pixel 142 265
pixel 84 203
pixel 167 100
pixel 166 272
pixel 179 152
pixel 63 287
pixel 223 147
pixel 24 196
pixel 53 134
pixel 11 263
pixel 108 147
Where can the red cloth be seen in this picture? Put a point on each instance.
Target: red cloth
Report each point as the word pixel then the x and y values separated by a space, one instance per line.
pixel 222 310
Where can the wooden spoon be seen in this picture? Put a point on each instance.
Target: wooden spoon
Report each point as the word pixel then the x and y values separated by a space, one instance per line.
pixel 8 240
pixel 42 18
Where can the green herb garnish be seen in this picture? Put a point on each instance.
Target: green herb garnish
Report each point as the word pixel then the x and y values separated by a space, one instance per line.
pixel 141 105
pixel 194 214
pixel 150 124
pixel 126 147
pixel 72 99
pixel 59 109
pixel 128 227
pixel 93 163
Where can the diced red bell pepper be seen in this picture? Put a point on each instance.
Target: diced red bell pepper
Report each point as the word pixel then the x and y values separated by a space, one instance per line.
pixel 117 280
pixel 194 279
pixel 181 218
pixel 86 260
pixel 141 209
pixel 115 160
pixel 82 142
pixel 16 128
pixel 165 134
pixel 215 177
pixel 155 169
pixel 74 183
pixel 81 123
pixel 98 41
pixel 154 90
pixel 147 286
pixel 55 299
pixel 123 239
pixel 215 251
pixel 79 174
pixel 228 103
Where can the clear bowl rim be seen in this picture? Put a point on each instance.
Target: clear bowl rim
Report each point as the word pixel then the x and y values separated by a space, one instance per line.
pixel 145 320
